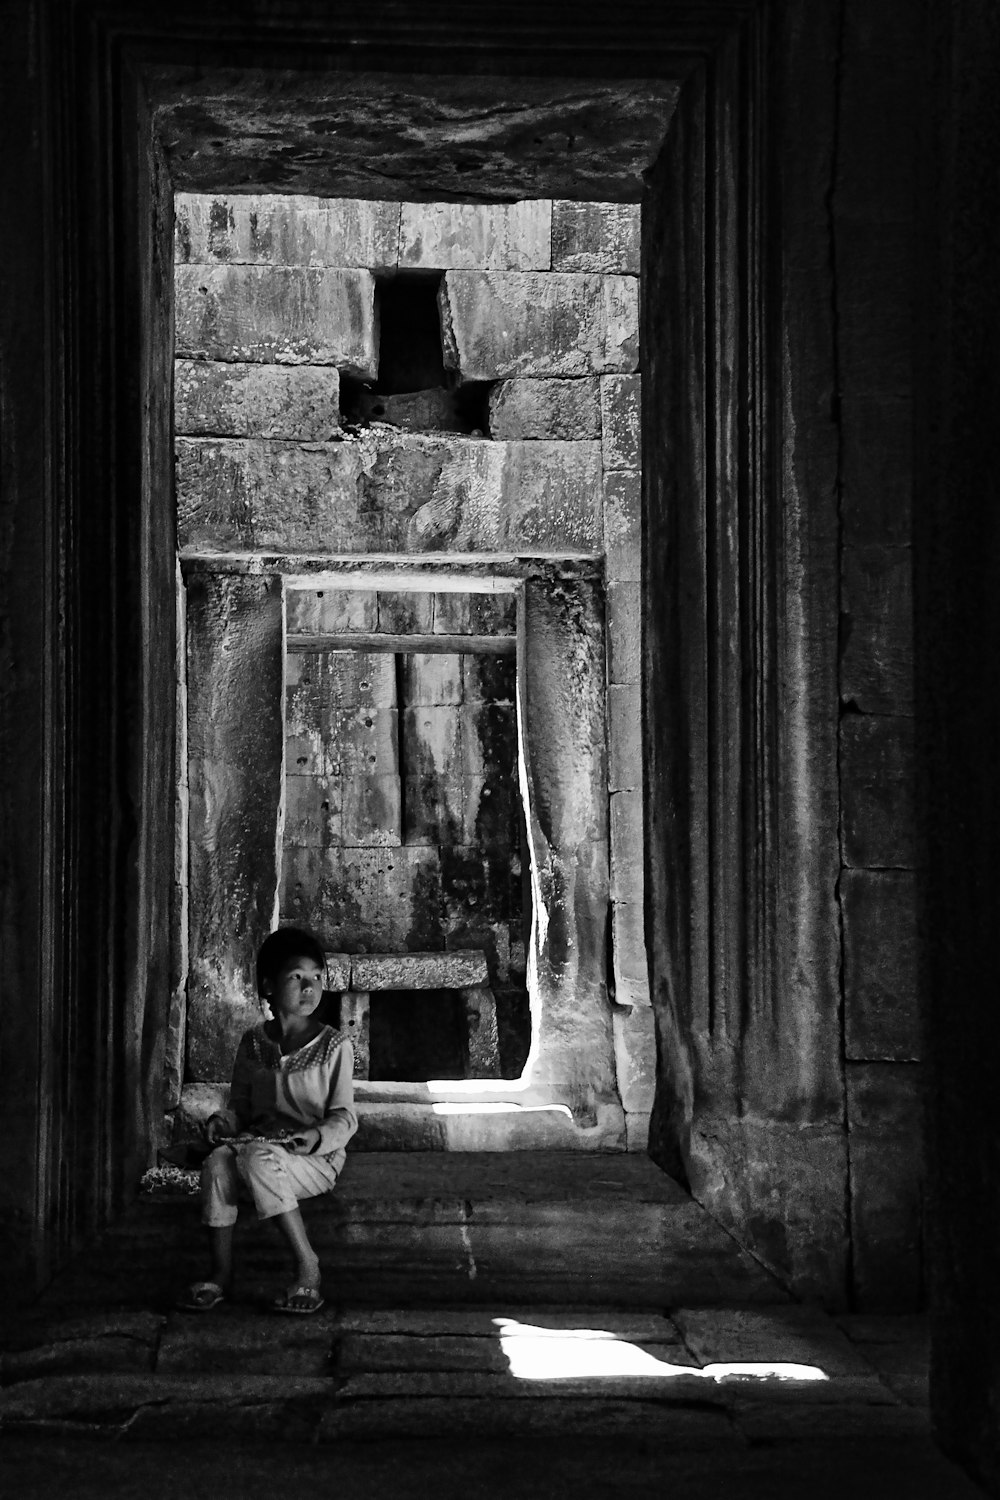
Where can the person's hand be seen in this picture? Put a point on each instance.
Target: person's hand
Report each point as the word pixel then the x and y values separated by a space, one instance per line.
pixel 303 1142
pixel 217 1128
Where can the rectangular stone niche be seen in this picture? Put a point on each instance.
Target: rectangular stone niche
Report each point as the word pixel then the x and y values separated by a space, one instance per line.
pixel 418 1016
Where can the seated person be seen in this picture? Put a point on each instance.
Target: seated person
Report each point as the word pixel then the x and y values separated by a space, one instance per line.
pixel 291 1113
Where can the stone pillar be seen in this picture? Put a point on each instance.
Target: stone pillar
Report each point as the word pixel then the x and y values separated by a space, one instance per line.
pixel 235 750
pixel 561 700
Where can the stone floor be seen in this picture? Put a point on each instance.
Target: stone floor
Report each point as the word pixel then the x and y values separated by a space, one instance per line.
pixel 717 1386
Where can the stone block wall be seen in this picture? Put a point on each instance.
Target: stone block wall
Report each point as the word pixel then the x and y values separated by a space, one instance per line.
pixel 403 824
pixel 874 268
pixel 278 306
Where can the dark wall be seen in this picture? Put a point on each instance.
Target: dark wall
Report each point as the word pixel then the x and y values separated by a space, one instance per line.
pixel 87 560
pixel 958 547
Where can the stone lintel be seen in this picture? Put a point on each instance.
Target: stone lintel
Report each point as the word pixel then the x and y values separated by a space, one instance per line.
pixel 457 970
pixel 389 492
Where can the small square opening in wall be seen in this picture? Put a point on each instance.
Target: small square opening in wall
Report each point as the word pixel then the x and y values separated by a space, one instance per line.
pixel 413 390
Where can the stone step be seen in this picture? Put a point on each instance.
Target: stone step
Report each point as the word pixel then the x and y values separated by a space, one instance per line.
pixel 412 1229
pixel 499 1369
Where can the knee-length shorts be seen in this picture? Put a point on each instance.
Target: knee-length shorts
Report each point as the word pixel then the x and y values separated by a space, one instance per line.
pixel 274 1179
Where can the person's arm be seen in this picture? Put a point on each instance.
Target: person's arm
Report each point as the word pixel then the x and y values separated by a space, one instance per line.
pixel 340 1119
pixel 237 1117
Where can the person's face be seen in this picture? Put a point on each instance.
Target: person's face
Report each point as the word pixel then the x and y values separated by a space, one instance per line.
pixel 296 990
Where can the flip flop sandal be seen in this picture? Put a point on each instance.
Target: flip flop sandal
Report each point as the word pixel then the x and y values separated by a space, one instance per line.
pixel 201 1296
pixel 312 1295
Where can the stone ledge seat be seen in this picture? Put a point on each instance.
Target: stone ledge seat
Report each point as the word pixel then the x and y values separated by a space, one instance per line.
pixel 448 1228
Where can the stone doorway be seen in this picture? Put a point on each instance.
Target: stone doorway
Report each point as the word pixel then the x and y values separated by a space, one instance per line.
pixel 404 841
pixel 372 579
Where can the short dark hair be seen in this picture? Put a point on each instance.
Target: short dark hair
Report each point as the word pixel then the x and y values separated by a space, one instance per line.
pixel 282 945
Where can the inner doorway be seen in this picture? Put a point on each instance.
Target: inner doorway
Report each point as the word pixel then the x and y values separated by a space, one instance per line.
pixel 404 832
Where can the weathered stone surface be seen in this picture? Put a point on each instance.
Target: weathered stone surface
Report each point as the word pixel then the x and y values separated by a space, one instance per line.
pixel 876 664
pixel 329 610
pixel 564 409
pixel 433 410
pixel 338 971
pixel 481 1019
pixel 620 421
pixel 562 696
pixel 238 1341
pixel 437 136
pixel 408 1352
pixel 418 971
pixel 878 791
pixel 898 1346
pixel 665 1378
pixel 635 1058
pixel 290 229
pixel 626 847
pixel 198 1101
pixel 484 1416
pixel 389 492
pixel 235 670
pixel 531 323
pixel 278 315
pixel 631 970
pixel 841 1423
pixel 113 1343
pixel 790 1334
pixel 171 1406
pixel 476 236
pixel 625 737
pixel 623 526
pixel 247 400
pixel 881 1010
pixel 780 1195
pixel 624 633
pixel 595 237
pixel 508 1126
pixel 355 1022
pixel 517 1322
pixel 637 1131
pixel 885 1116
pixel 409 614
pixel 877 470
pixel 875 321
pixel 362 897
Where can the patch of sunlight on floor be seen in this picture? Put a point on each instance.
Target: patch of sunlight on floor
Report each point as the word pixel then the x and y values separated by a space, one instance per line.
pixel 595 1354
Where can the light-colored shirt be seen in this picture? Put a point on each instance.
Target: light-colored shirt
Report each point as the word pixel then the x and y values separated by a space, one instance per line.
pixel 312 1087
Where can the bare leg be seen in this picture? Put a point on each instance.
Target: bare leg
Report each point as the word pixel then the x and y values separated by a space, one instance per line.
pixel 221 1244
pixel 293 1228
